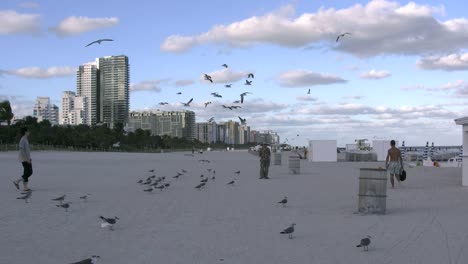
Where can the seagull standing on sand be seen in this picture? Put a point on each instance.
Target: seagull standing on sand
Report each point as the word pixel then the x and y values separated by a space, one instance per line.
pixel 342 35
pixel 289 231
pixel 231 182
pixel 25 197
pixel 92 260
pixel 99 41
pixel 365 242
pixel 60 198
pixel 109 221
pixel 65 205
pixel 84 197
pixel 284 201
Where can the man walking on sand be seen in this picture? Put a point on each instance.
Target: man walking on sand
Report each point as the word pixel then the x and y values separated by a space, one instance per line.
pixel 264 154
pixel 394 163
pixel 25 159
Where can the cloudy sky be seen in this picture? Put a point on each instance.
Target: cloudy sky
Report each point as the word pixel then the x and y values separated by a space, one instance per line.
pixel 401 73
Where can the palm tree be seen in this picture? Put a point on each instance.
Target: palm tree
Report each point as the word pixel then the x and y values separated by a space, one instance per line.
pixel 6 113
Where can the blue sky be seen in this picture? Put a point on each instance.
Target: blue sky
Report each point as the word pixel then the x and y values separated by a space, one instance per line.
pixel 401 74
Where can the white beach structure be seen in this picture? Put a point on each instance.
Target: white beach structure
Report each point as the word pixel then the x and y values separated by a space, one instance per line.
pixel 464 123
pixel 380 147
pixel 322 150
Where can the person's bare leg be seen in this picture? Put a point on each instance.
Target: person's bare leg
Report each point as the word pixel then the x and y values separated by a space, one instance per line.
pixel 392 181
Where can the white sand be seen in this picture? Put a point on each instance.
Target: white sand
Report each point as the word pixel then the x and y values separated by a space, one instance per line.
pixel 240 224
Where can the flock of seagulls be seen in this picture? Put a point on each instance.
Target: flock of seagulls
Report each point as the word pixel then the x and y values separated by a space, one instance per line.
pixel 160 182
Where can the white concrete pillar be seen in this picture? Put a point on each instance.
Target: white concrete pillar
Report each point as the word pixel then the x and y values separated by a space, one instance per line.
pixel 464 123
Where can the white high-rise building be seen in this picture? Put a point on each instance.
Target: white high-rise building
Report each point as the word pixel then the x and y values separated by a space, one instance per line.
pixel 43 110
pixel 74 109
pixel 87 86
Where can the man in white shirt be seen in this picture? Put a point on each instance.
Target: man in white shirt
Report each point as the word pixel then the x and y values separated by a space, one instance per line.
pixel 25 159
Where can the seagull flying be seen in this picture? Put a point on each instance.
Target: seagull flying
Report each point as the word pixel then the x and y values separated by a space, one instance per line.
pixel 92 260
pixel 188 103
pixel 163 103
pixel 99 41
pixel 289 231
pixel 211 120
pixel 179 93
pixel 365 242
pixel 225 65
pixel 228 85
pixel 243 120
pixel 217 95
pixel 208 77
pixel 342 35
pixel 207 103
pixel 242 95
pixel 247 82
pixel 308 92
pixel 236 102
pixel 251 75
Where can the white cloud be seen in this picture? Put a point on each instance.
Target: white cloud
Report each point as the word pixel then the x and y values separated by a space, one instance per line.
pixel 353 97
pixel 301 78
pixel 306 98
pixel 150 85
pixel 76 25
pixel 225 76
pixel 352 68
pixel 42 73
pixel 445 87
pixel 375 75
pixel 12 22
pixel 378 27
pixel 181 83
pixel 20 106
pixel 29 5
pixel 452 62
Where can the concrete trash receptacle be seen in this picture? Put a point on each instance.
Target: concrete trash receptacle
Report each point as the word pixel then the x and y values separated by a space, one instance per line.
pixel 372 191
pixel 278 158
pixel 294 164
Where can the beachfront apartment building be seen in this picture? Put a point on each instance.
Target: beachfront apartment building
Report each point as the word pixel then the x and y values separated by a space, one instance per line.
pixel 179 124
pixel 207 132
pixel 44 110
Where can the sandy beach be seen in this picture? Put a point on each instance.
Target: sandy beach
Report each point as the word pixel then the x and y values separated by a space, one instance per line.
pixel 221 223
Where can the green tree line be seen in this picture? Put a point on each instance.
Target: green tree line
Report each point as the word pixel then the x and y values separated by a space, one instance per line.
pixel 91 137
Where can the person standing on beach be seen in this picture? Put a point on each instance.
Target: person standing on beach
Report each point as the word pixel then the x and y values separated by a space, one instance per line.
pixel 394 163
pixel 264 154
pixel 25 159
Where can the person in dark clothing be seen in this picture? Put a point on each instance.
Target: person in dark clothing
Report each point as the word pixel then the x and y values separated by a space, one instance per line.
pixel 265 155
pixel 25 159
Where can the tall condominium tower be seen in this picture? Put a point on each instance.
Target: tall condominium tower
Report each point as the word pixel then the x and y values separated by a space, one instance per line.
pixel 113 90
pixel 87 86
